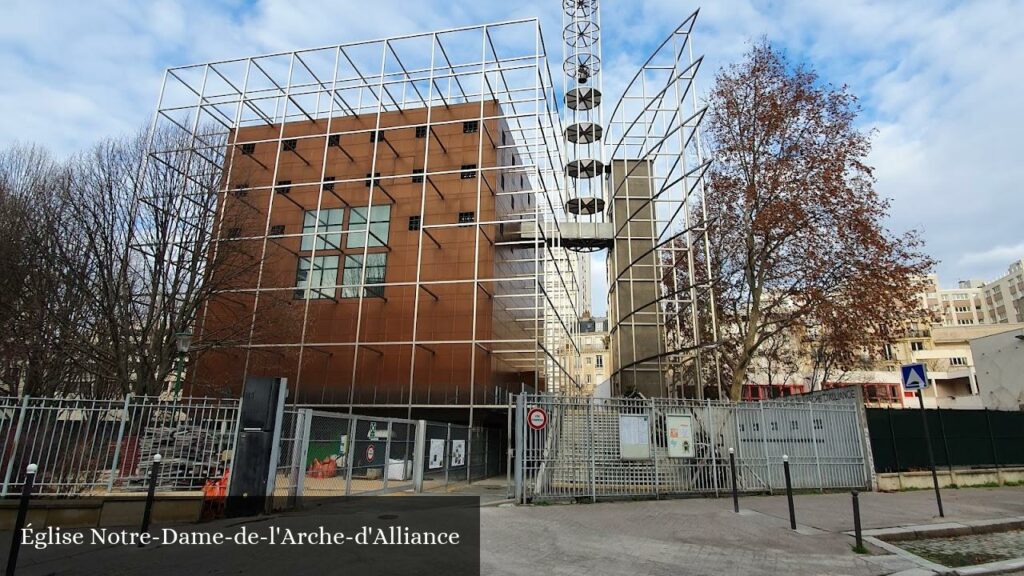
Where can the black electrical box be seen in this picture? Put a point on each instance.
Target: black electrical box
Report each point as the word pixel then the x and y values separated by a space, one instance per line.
pixel 250 465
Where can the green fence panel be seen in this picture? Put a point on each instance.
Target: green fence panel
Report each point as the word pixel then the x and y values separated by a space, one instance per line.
pixel 960 438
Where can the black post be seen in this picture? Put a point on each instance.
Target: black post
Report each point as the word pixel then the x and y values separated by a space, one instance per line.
pixel 931 457
pixel 856 521
pixel 151 495
pixel 735 496
pixel 789 492
pixel 19 522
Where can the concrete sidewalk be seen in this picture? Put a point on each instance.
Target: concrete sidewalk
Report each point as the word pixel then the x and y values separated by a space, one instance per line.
pixel 704 536
pixel 672 537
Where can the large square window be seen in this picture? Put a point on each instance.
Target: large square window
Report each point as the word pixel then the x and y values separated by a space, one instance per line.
pixel 327 230
pixel 379 220
pixel 316 277
pixel 354 279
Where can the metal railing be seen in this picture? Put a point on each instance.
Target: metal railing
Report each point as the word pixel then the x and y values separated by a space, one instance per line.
pixel 577 454
pixel 91 446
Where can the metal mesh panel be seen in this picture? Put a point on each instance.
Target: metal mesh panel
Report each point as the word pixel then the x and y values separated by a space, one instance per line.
pixel 577 454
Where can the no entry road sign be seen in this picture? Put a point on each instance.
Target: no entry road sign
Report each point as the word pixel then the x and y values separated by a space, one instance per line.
pixel 537 418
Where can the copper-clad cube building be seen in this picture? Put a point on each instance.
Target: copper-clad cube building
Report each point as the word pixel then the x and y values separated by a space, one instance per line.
pixel 368 240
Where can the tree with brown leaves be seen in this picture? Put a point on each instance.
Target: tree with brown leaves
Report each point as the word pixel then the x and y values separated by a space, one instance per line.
pixel 797 228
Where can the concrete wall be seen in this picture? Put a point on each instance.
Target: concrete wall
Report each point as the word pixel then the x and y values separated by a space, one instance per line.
pixel 999 365
pixel 634 322
pixel 100 512
pixel 891 482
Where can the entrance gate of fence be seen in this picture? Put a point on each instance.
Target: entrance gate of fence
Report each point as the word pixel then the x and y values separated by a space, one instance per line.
pixel 335 454
pixel 572 448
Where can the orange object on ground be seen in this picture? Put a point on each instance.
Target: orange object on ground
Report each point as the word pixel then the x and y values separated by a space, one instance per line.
pixel 326 469
pixel 216 489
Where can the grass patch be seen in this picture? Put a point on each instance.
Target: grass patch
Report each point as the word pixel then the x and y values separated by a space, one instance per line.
pixel 860 549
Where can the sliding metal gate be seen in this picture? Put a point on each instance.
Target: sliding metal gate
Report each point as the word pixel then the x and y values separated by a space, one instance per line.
pixel 576 454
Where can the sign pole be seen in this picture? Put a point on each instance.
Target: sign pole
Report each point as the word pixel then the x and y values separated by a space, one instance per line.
pixel 931 456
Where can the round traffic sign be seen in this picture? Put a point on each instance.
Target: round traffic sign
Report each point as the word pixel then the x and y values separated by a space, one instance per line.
pixel 537 418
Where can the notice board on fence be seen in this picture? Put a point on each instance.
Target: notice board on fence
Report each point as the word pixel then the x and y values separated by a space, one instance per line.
pixel 634 437
pixel 680 435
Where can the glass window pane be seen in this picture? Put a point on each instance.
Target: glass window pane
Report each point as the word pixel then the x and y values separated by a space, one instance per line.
pixel 316 278
pixel 350 277
pixel 356 228
pixel 380 219
pixel 328 229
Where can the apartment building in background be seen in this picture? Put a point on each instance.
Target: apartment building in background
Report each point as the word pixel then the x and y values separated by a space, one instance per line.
pixel 960 306
pixel 1004 297
pixel 972 311
pixel 591 366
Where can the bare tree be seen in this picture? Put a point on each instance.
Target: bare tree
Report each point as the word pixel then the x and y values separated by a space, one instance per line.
pixel 38 310
pixel 146 231
pixel 797 227
pixel 108 256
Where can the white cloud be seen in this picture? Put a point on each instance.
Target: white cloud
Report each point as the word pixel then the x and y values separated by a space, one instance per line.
pixel 997 256
pixel 937 79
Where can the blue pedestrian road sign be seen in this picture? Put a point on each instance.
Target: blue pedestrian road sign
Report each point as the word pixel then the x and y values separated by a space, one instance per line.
pixel 915 377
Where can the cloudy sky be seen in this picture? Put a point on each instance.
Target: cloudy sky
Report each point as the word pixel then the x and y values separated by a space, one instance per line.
pixel 940 81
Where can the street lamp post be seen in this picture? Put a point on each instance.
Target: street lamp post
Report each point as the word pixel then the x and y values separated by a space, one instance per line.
pixel 182 340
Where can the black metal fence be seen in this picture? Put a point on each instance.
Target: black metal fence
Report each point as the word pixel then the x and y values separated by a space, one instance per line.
pixel 960 439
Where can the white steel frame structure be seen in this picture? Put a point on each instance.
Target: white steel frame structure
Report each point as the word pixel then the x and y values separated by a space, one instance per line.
pixel 398 84
pixel 658 167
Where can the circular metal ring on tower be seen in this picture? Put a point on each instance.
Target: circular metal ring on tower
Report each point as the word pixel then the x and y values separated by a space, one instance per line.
pixel 579 7
pixel 583 132
pixel 582 66
pixel 584 168
pixel 587 246
pixel 586 205
pixel 581 33
pixel 583 98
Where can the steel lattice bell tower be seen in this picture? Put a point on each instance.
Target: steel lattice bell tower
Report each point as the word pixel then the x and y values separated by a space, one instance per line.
pixel 585 168
pixel 635 187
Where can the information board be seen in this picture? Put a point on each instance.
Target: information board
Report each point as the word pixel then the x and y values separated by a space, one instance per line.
pixel 634 437
pixel 680 435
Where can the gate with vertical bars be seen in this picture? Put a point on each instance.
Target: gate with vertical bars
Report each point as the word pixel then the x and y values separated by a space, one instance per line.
pixel 577 454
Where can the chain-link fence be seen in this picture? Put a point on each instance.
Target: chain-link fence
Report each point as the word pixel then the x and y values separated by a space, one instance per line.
pixel 594 448
pixel 91 446
pixel 457 454
pixel 333 454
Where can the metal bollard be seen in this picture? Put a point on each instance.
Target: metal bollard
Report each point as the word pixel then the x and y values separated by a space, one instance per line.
pixel 735 496
pixel 151 495
pixel 19 522
pixel 789 491
pixel 856 521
